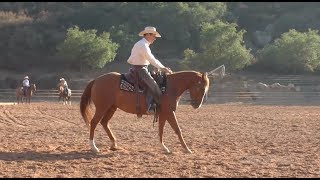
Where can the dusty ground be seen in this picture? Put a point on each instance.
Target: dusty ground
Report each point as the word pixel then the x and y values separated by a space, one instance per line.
pixel 232 140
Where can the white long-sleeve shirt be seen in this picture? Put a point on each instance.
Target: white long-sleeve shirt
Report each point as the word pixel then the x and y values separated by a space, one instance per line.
pixel 141 55
pixel 64 84
pixel 26 83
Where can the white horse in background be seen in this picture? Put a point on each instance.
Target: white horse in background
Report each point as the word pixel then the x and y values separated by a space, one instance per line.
pixel 277 86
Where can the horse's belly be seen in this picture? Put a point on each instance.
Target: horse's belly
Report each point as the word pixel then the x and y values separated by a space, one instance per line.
pixel 127 101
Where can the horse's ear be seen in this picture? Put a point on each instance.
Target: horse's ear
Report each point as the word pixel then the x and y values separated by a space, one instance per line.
pixel 204 75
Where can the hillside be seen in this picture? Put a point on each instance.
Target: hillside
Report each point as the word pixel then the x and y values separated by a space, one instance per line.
pixel 31 31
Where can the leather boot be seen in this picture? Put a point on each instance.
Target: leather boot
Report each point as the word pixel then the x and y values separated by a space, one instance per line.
pixel 151 109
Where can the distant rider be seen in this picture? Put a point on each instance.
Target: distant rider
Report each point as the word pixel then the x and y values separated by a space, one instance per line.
pixel 64 84
pixel 25 85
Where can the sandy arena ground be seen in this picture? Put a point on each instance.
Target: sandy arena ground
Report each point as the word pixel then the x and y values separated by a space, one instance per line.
pixel 47 139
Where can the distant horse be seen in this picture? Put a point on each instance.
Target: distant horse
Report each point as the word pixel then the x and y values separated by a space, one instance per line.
pixel 66 96
pixel 106 95
pixel 29 92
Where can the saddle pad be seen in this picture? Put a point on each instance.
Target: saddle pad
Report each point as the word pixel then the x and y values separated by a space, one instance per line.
pixel 125 85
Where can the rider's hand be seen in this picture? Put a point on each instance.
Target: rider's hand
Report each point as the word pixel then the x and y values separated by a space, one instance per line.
pixel 166 70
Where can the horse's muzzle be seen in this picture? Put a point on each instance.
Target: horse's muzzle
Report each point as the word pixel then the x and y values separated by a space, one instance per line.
pixel 195 104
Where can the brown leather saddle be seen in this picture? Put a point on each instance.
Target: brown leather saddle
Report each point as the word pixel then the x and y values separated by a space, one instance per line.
pixel 131 82
pixel 128 80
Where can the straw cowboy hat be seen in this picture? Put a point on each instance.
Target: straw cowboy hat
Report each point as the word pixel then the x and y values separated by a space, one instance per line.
pixel 26 77
pixel 149 29
pixel 62 79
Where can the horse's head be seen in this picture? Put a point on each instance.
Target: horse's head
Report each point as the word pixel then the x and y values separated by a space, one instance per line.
pixel 33 87
pixel 198 90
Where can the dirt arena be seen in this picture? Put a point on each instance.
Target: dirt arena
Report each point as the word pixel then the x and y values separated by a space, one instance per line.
pixel 47 139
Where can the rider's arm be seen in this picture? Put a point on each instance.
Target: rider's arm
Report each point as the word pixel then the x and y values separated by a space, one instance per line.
pixel 149 56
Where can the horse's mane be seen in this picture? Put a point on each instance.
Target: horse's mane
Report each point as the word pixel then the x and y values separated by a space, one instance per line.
pixel 185 73
pixel 178 72
pixel 194 75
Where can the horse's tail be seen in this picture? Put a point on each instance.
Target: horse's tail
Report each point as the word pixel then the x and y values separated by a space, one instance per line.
pixel 85 102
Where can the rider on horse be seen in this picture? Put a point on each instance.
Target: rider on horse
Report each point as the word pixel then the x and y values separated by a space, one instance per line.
pixel 64 84
pixel 140 58
pixel 25 84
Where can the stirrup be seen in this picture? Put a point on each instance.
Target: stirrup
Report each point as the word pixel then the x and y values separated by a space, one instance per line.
pixel 150 110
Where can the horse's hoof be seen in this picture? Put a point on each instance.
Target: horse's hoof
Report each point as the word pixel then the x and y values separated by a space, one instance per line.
pixel 167 151
pixel 115 148
pixel 95 150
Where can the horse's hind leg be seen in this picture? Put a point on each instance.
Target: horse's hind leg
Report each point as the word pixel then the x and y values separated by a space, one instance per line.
pixel 172 120
pixel 105 123
pixel 93 124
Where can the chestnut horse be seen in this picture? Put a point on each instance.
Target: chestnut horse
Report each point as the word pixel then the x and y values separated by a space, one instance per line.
pixel 30 91
pixel 106 95
pixel 66 97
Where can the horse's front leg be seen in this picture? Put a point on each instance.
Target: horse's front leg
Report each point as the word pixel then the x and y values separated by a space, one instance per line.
pixel 162 122
pixel 172 120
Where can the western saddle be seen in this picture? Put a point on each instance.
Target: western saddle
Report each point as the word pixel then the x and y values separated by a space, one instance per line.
pixel 130 81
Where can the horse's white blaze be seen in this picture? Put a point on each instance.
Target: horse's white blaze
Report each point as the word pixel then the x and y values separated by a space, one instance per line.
pixel 93 146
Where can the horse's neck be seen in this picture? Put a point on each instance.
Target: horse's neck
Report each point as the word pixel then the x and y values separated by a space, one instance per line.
pixel 30 91
pixel 181 81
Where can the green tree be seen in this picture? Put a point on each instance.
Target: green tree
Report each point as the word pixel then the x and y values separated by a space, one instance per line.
pixel 294 52
pixel 221 43
pixel 188 55
pixel 86 49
